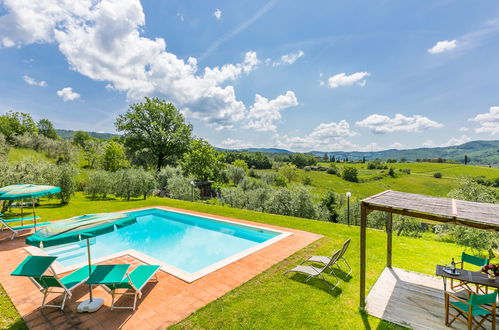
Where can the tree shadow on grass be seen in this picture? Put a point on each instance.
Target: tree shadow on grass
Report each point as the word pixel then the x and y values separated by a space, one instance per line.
pixel 382 325
pixel 318 283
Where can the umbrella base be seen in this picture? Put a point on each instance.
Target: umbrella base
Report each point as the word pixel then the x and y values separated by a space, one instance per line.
pixel 90 306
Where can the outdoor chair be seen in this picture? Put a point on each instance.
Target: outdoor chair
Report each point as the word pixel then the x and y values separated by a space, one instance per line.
pixel 16 230
pixel 476 310
pixel 35 267
pixel 134 282
pixel 326 260
pixel 471 260
pixel 316 272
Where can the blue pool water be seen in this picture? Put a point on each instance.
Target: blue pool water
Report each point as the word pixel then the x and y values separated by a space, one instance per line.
pixel 185 241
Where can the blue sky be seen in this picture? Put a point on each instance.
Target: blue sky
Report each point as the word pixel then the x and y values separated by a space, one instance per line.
pixel 301 75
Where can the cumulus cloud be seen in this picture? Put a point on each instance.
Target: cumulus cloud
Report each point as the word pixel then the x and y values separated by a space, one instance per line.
pixel 67 94
pixel 464 129
pixel 396 145
pixel 264 112
pixel 443 46
pixel 33 82
pixel 458 141
pixel 326 136
pixel 235 144
pixel 102 40
pixel 289 58
pixel 342 79
pixel 380 124
pixel 218 14
pixel 428 144
pixel 489 121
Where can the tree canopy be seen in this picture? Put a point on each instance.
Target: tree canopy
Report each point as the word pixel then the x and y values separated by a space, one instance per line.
pixel 202 161
pixel 155 127
pixel 46 128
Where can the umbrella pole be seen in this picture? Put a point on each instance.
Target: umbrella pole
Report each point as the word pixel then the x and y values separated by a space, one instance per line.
pixel 22 215
pixel 89 267
pixel 34 212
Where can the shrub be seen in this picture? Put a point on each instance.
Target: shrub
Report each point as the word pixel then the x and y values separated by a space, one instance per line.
pixel 437 175
pixel 307 181
pixel 350 174
pixel 268 178
pixel 180 187
pixel 235 197
pixel 328 203
pixel 99 182
pixel 332 169
pixel 280 202
pixel 289 172
pixel 408 226
pixel 391 172
pixel 307 168
pixel 235 174
pixel 4 148
pixel 133 183
pixel 66 180
pixel 303 206
pixel 257 198
pixel 280 181
pixel 166 174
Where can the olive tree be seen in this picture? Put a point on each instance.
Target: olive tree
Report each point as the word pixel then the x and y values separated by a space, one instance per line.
pixel 202 161
pixel 99 182
pixel 155 126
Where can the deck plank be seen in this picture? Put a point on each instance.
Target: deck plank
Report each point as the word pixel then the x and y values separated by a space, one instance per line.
pixel 409 299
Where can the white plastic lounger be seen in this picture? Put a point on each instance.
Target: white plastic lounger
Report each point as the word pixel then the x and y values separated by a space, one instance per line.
pixel 16 230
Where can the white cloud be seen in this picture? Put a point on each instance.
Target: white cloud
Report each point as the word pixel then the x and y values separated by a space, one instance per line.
pixel 289 58
pixel 264 112
pixel 326 136
pixel 235 144
pixel 102 41
pixel 396 145
pixel 380 124
pixel 458 141
pixel 428 144
pixel 464 129
pixel 67 94
pixel 32 81
pixel 489 121
pixel 218 14
pixel 342 79
pixel 443 46
pixel 181 17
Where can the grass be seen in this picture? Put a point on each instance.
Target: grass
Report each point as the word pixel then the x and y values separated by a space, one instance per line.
pixel 19 154
pixel 420 181
pixel 272 300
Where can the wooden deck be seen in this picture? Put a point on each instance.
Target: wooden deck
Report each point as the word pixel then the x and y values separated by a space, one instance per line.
pixel 409 299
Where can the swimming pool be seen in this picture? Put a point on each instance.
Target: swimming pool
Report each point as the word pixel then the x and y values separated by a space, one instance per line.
pixel 186 245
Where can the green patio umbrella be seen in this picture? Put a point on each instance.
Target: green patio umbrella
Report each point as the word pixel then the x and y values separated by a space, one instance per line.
pixel 81 228
pixel 27 191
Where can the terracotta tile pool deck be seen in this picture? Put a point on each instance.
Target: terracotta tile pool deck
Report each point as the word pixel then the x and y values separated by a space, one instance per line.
pixel 163 303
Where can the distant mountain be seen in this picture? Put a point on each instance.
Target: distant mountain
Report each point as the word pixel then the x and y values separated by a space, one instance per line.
pixel 479 152
pixel 265 150
pixel 68 134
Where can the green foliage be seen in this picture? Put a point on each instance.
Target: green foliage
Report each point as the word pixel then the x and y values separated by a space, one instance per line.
pixel 328 202
pixel 4 148
pixel 99 182
pixel 377 164
pixel 46 129
pixel 469 190
pixel 155 126
pixel 114 157
pixel 16 123
pixel 202 161
pixel 391 172
pixel 240 163
pixel 350 174
pixel 307 181
pixel 332 169
pixel 289 172
pixel 80 138
pixel 93 152
pixel 235 174
pixel 302 160
pixel 257 160
pixel 268 177
pixel 408 226
pixel 166 173
pixel 280 181
pixel 133 182
pixel 66 179
pixel 437 175
pixel 303 205
pixel 180 187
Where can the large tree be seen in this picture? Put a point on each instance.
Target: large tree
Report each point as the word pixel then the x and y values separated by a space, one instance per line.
pixel 155 127
pixel 46 128
pixel 16 123
pixel 202 161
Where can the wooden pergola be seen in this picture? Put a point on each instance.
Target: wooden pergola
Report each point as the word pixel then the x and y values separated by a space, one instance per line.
pixel 447 210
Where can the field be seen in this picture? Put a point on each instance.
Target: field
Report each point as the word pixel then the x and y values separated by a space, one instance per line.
pixel 294 304
pixel 420 181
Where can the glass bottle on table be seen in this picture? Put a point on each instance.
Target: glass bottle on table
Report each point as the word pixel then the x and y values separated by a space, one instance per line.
pixel 453 266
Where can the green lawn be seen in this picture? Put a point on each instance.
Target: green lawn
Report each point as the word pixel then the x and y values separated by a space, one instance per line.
pixel 19 154
pixel 272 300
pixel 420 181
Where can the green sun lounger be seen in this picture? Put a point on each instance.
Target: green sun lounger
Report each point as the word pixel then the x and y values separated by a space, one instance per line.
pixel 16 230
pixel 36 267
pixel 134 282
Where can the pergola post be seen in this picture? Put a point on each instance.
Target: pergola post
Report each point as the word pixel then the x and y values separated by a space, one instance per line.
pixel 363 225
pixel 389 223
